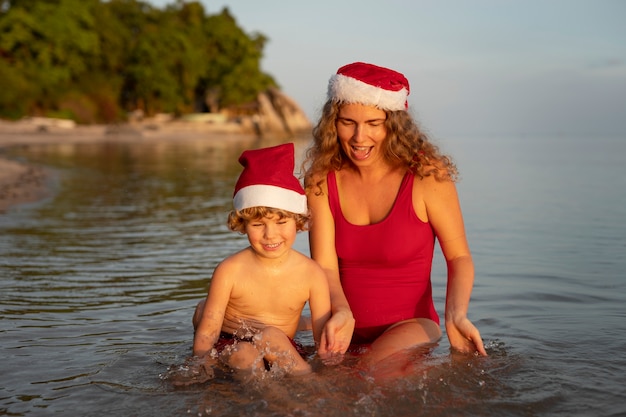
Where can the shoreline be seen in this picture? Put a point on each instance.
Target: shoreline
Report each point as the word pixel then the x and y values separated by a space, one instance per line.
pixel 23 183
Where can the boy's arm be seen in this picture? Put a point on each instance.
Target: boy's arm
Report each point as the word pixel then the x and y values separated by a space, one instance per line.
pixel 210 325
pixel 319 303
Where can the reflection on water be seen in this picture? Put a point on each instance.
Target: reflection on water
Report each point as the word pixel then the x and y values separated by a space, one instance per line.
pixel 98 284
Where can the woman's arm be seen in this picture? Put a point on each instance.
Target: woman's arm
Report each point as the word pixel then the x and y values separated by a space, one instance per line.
pixel 337 333
pixel 444 214
pixel 319 303
pixel 463 335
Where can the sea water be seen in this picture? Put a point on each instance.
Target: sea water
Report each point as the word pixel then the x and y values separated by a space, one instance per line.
pixel 98 284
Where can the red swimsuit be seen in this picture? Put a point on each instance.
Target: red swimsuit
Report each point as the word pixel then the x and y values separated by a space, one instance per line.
pixel 385 267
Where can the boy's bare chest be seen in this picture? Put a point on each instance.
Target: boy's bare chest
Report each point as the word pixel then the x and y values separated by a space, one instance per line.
pixel 270 294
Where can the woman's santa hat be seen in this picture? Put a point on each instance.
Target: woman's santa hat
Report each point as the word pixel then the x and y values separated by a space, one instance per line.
pixel 267 180
pixel 371 85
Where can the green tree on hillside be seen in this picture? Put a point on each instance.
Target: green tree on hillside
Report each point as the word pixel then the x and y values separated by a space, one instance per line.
pixel 234 61
pixel 60 60
pixel 45 48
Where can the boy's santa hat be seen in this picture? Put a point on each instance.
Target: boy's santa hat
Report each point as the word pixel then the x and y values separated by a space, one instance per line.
pixel 371 85
pixel 267 180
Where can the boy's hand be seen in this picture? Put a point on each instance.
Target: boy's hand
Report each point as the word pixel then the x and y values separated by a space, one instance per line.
pixel 195 370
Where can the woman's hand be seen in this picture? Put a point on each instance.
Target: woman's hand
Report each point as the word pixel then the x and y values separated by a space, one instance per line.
pixel 464 336
pixel 336 335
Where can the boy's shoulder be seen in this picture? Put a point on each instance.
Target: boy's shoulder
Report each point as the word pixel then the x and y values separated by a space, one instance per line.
pixel 301 257
pixel 236 260
pixel 308 264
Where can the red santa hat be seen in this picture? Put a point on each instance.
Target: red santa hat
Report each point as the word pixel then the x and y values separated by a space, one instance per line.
pixel 267 180
pixel 371 85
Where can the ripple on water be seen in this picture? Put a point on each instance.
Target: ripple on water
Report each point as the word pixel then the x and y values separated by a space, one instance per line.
pixel 98 285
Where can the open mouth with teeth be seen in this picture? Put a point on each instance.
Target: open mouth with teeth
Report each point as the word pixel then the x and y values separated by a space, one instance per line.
pixel 271 246
pixel 361 152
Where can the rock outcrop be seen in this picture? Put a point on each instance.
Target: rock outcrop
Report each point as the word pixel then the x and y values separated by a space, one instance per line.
pixel 276 113
pixel 272 114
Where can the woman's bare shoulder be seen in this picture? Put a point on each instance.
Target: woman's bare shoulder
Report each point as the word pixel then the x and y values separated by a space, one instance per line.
pixel 316 178
pixel 431 177
pixel 429 192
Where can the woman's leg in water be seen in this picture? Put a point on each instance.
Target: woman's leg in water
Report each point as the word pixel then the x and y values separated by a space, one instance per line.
pixel 389 356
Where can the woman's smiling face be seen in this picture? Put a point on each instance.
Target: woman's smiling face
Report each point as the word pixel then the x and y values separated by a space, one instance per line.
pixel 361 131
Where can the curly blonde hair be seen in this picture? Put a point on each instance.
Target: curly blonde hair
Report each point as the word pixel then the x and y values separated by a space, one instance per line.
pixel 405 144
pixel 237 219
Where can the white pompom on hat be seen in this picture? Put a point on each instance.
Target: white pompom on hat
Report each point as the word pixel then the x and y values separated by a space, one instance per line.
pixel 371 85
pixel 268 180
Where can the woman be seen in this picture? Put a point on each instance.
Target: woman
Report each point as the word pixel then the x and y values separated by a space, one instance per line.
pixel 379 194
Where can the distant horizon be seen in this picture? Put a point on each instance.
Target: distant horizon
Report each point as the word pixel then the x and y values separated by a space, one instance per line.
pixel 474 67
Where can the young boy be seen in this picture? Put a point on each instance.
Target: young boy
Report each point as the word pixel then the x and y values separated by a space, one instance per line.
pixel 256 295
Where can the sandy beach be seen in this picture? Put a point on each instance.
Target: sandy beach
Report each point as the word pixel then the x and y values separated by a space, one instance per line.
pixel 24 183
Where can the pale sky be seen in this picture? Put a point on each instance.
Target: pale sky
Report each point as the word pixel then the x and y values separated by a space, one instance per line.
pixel 475 66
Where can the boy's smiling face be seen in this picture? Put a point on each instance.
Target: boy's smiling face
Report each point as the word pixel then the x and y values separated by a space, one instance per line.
pixel 272 236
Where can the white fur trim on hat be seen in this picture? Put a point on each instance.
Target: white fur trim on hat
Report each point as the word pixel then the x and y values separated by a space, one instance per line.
pixel 270 196
pixel 350 90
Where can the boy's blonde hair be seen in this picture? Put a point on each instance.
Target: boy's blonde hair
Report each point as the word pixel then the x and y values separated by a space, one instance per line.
pixel 237 219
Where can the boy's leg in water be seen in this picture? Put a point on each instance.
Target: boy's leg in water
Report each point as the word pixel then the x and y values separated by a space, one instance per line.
pixel 279 350
pixel 243 356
